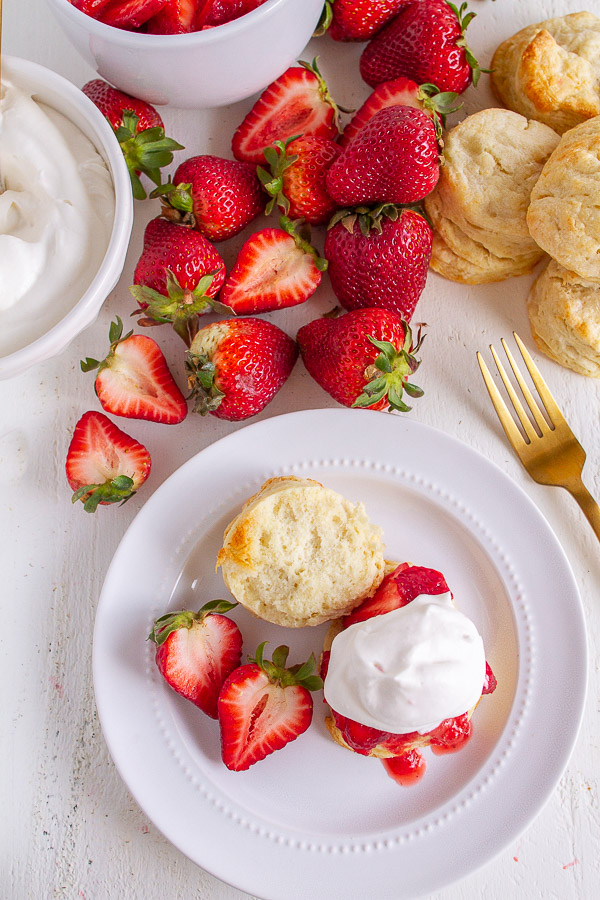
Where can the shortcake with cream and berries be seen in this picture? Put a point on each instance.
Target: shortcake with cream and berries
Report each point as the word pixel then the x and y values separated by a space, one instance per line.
pixel 404 671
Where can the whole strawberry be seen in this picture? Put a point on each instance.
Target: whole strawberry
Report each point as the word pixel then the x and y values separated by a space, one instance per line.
pixel 379 257
pixel 424 42
pixel 236 367
pixel 104 465
pixel 364 358
pixel 139 130
pixel 296 177
pixel 218 197
pixel 402 92
pixel 276 268
pixel 359 20
pixel 195 652
pixel 394 158
pixel 263 706
pixel 298 102
pixel 177 277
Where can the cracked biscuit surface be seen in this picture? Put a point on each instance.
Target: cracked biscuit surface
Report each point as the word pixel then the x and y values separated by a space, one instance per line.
pixel 551 71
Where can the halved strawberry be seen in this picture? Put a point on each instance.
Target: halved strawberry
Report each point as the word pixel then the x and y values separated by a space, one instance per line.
pixel 402 92
pixel 298 102
pixel 130 14
pixel 263 706
pixel 195 652
pixel 134 379
pixel 104 465
pixel 275 268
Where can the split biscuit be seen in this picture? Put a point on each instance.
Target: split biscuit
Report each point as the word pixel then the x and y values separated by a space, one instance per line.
pixel 564 315
pixel 301 554
pixel 564 214
pixel 551 71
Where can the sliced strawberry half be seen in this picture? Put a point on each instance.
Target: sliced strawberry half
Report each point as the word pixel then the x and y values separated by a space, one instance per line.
pixel 397 589
pixel 195 652
pixel 104 465
pixel 134 380
pixel 402 92
pixel 263 706
pixel 275 268
pixel 177 17
pixel 298 102
pixel 130 14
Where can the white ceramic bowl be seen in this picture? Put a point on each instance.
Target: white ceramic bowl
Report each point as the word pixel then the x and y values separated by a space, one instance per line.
pixel 57 92
pixel 200 70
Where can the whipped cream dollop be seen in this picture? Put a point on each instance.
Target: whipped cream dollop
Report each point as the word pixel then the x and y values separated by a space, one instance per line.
pixel 56 216
pixel 408 669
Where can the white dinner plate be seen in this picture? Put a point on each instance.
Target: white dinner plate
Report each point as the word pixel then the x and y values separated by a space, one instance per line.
pixel 313 820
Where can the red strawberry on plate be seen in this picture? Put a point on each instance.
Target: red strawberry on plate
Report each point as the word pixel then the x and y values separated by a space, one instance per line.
pixel 236 366
pixel 397 589
pixel 275 268
pixel 358 20
pixel 177 17
pixel 139 130
pixel 394 158
pixel 177 277
pixel 296 178
pixel 363 359
pixel 195 652
pixel 263 706
pixel 298 102
pixel 218 197
pixel 104 465
pixel 134 379
pixel 425 42
pixel 379 257
pixel 130 14
pixel 402 92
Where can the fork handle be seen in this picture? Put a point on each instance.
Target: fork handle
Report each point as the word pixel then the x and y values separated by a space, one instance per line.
pixel 589 507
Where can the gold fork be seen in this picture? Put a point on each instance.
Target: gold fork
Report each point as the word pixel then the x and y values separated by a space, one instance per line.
pixel 551 453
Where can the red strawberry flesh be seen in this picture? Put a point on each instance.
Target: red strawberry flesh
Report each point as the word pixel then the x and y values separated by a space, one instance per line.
pixel 296 103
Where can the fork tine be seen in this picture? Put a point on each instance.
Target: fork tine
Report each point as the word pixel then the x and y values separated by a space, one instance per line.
pixel 518 406
pixel 556 417
pixel 506 420
pixel 531 403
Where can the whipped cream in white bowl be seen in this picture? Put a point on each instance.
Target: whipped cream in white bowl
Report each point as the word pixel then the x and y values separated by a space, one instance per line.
pixel 66 213
pixel 409 669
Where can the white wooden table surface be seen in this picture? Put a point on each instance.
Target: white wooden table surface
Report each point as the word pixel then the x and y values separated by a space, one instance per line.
pixel 69 828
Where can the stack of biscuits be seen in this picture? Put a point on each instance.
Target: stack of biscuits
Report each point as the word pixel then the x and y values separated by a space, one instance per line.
pixel 511 190
pixel 551 72
pixel 478 209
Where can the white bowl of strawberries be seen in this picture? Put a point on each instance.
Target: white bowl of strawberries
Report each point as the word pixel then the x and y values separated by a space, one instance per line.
pixel 189 55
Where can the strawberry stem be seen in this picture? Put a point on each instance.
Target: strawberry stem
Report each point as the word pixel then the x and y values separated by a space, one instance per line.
pixel 302 239
pixel 388 374
pixel 301 674
pixel 145 151
pixel 117 490
pixel 185 618
pixel 201 382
